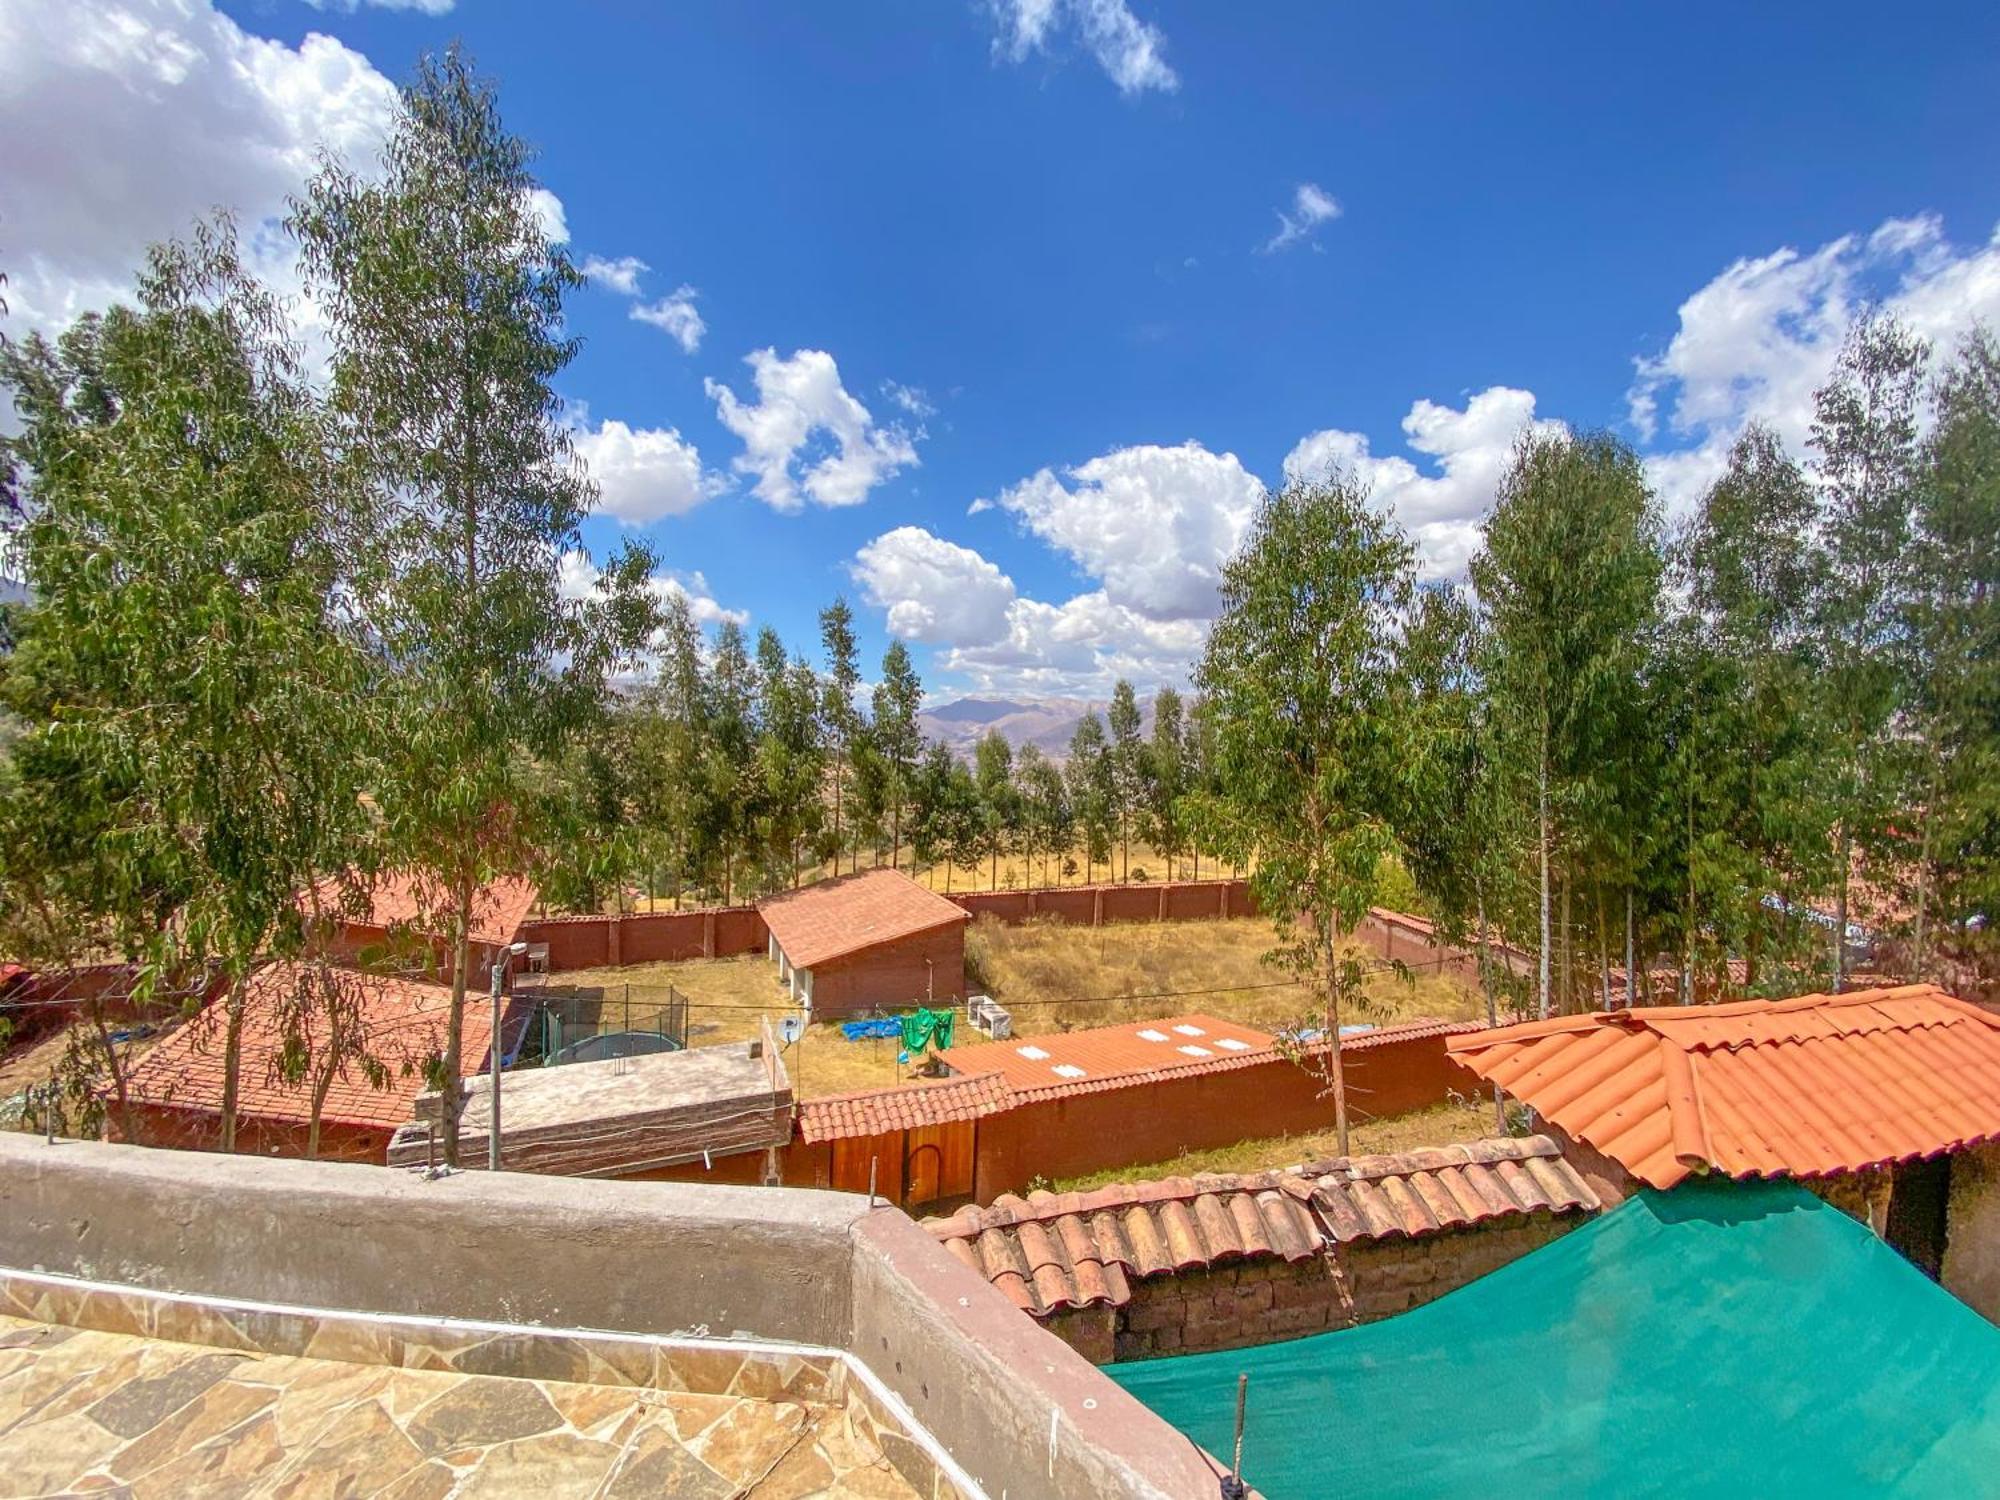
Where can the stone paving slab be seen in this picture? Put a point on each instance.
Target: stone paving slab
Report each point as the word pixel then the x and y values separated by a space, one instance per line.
pixel 91 1413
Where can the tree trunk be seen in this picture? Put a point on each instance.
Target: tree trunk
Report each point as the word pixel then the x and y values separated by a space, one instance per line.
pixel 232 1059
pixel 1840 911
pixel 1631 961
pixel 453 1092
pixel 1486 989
pixel 1336 1070
pixel 1566 995
pixel 1603 948
pixel 1542 850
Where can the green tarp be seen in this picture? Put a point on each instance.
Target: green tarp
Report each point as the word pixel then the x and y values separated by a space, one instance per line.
pixel 1719 1339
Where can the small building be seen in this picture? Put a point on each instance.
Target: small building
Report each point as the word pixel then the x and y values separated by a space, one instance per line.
pixel 400 920
pixel 1886 1102
pixel 365 1092
pixel 1141 1269
pixel 713 1113
pixel 872 941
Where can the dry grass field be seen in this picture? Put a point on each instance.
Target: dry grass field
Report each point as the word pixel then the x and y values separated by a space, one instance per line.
pixel 1012 873
pixel 1471 1120
pixel 1051 976
pixel 1055 977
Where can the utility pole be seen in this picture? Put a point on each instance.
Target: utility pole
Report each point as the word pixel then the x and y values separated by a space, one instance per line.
pixel 499 1044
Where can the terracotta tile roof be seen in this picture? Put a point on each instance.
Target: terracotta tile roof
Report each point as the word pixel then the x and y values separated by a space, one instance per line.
pixel 820 923
pixel 1800 1087
pixel 1140 1052
pixel 906 1107
pixel 403 1019
pixel 1051 1251
pixel 1115 1057
pixel 398 900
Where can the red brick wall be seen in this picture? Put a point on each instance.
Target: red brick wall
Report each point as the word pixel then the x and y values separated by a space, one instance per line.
pixel 1087 905
pixel 1266 1300
pixel 894 976
pixel 592 942
pixel 1137 1127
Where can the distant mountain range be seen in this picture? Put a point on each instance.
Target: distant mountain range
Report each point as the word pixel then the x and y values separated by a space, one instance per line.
pixel 1046 723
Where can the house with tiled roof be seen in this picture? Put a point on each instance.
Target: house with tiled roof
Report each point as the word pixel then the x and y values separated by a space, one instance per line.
pixel 872 941
pixel 1187 1264
pixel 360 1092
pixel 399 920
pixel 1884 1100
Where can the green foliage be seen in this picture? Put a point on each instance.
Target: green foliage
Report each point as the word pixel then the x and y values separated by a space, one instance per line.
pixel 1305 686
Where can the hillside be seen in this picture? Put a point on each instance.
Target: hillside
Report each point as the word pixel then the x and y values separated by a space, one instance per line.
pixel 1046 723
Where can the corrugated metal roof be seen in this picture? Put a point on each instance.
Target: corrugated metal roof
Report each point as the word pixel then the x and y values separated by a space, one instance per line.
pixel 906 1107
pixel 1801 1087
pixel 1051 1251
pixel 835 918
pixel 403 1019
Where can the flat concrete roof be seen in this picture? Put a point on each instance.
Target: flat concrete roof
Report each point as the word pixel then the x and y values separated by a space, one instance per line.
pixel 619 1114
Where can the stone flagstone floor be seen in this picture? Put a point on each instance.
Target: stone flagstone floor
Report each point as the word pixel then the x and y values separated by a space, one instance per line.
pixel 88 1413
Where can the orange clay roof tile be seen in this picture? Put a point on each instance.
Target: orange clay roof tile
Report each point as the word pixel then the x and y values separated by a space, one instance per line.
pixel 404 1023
pixel 1801 1087
pixel 834 919
pixel 904 1107
pixel 1051 1251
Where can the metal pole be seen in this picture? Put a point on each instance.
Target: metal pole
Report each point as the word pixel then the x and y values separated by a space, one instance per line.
pixel 1235 1489
pixel 493 1126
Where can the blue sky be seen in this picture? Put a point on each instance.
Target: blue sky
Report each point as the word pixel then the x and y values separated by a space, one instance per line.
pixel 1055 228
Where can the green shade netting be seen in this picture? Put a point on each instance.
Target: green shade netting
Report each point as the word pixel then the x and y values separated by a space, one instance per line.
pixel 1719 1339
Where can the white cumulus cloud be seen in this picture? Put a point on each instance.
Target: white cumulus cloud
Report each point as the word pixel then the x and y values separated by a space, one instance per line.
pixel 620 275
pixel 644 473
pixel 1312 206
pixel 1153 524
pixel 799 399
pixel 676 316
pixel 129 119
pixel 1762 336
pixel 936 592
pixel 1130 51
pixel 1443 504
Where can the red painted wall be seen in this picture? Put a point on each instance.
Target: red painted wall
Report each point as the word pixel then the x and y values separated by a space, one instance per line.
pixel 1143 1126
pixel 200 1130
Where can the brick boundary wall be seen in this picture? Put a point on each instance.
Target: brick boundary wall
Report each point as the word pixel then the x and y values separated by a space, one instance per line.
pixel 590 942
pixel 1267 1300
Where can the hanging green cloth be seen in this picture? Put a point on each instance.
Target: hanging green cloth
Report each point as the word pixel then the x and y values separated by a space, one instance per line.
pixel 927 1028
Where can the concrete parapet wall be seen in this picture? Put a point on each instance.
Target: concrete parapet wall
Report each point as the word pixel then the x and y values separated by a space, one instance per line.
pixel 790 1265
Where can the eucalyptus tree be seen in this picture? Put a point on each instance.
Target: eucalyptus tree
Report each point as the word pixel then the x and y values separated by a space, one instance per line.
pixel 1751 570
pixel 1166 778
pixel 896 739
pixel 791 754
pixel 1867 462
pixel 1955 625
pixel 999 803
pixel 841 717
pixel 1128 768
pixel 728 763
pixel 197 701
pixel 443 292
pixel 1093 790
pixel 1569 579
pixel 1303 681
pixel 1045 811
